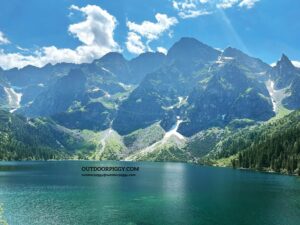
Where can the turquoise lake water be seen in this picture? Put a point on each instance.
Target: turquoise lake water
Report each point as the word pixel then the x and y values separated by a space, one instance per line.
pixel 46 193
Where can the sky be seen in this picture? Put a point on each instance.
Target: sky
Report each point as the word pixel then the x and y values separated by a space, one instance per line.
pixel 38 32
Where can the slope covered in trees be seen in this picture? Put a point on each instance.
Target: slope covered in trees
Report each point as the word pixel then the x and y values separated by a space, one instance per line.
pixel 277 149
pixel 36 139
pixel 273 146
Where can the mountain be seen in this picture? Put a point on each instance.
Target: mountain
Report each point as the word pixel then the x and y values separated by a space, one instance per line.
pixel 31 80
pixel 116 64
pixel 153 99
pixel 195 104
pixel 214 90
pixel 190 51
pixel 287 77
pixel 284 72
pixel 144 64
pixel 133 71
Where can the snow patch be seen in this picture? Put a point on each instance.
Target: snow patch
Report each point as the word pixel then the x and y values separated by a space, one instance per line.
pixel 125 86
pixel 106 70
pixel 106 134
pixel 168 135
pixel 14 98
pixel 95 89
pixel 180 102
pixel 276 95
pixel 173 131
pixel 107 95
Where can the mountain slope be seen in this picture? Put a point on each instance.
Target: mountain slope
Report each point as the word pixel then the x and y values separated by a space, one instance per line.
pixel 271 146
pixel 22 139
pixel 59 96
pixel 226 95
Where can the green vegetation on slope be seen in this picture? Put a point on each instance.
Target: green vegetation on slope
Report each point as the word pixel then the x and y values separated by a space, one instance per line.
pixel 276 149
pixel 273 146
pixel 36 139
pixel 143 138
pixel 168 152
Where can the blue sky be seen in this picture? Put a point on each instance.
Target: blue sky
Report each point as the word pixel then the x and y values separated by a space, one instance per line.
pixel 39 32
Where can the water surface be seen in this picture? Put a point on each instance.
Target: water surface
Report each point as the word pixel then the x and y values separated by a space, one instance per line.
pixel 45 193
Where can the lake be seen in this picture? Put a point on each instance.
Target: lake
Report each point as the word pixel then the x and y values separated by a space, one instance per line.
pixel 45 193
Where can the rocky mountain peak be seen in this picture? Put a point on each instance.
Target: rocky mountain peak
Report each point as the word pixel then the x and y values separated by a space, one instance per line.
pixel 113 56
pixel 233 52
pixel 284 62
pixel 187 49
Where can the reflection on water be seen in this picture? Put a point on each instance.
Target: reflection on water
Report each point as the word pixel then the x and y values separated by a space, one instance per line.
pixel 174 188
pixel 161 193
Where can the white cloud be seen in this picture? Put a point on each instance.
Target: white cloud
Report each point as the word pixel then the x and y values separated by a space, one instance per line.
pixel 22 49
pixel 225 4
pixel 134 43
pixel 3 39
pixel 96 33
pixel 162 50
pixel 193 13
pixel 97 29
pixel 147 32
pixel 150 30
pixel 194 8
pixel 190 8
pixel 296 63
pixel 10 60
pixel 248 3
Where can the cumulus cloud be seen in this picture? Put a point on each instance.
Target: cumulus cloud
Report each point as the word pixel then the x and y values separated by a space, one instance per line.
pixel 194 8
pixel 3 39
pixel 134 43
pixel 96 33
pixel 147 32
pixel 150 30
pixel 97 29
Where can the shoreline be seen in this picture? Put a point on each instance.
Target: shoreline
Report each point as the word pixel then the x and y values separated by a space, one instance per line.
pixel 267 171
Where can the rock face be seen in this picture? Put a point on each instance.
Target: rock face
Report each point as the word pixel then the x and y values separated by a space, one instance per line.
pixel 194 83
pixel 219 87
pixel 94 116
pixel 284 72
pixel 256 66
pixel 227 95
pixel 60 95
pixel 287 76
pixel 190 50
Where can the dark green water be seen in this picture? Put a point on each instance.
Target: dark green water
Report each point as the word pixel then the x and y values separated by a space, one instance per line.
pixel 161 193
